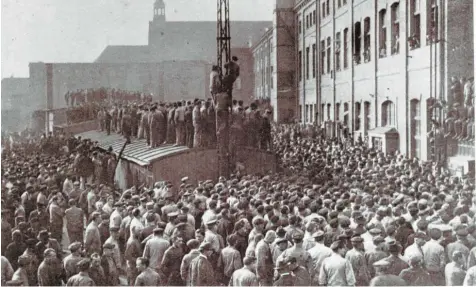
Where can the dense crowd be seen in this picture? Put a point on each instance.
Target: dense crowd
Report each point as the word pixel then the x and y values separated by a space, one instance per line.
pixel 340 214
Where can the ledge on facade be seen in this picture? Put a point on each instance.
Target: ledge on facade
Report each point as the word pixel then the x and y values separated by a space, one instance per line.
pixel 383 131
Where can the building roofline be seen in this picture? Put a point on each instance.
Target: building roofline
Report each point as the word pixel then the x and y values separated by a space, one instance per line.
pixel 266 35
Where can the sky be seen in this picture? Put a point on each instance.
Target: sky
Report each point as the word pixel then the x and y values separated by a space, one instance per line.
pixel 79 30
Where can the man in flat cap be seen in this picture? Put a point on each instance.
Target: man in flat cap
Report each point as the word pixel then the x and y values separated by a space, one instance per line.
pixel 455 271
pixel 70 262
pixel 383 277
pixel 357 259
pixel 82 278
pixel 155 248
pixel 50 271
pixel 245 276
pixel 336 270
pixel 92 237
pixel 148 276
pixel 459 244
pixel 434 257
pixel 171 262
pixel 297 251
pixel 116 252
pixel 264 258
pixel 202 272
pixel 21 274
pixel 216 241
pixel 74 221
pixel 111 271
pixel 34 261
pixel 318 253
pixel 397 264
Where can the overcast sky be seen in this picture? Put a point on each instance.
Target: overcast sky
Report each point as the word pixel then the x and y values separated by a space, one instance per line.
pixel 78 30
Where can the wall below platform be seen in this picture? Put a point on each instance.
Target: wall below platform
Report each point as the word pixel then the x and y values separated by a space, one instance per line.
pixel 199 165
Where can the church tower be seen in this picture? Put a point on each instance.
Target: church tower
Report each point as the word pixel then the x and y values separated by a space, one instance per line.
pixel 157 25
pixel 159 11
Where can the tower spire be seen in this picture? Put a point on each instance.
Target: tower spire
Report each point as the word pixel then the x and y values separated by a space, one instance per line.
pixel 159 10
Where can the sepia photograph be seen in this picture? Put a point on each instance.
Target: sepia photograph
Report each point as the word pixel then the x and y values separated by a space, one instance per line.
pixel 238 143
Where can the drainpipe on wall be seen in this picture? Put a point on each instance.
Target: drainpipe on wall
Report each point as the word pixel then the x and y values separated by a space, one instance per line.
pixel 334 71
pixel 304 66
pixel 318 109
pixel 350 62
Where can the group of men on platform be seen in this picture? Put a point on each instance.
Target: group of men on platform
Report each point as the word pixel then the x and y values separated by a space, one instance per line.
pixel 187 123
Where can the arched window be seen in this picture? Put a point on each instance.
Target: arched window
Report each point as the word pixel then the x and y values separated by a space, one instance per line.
pixel 415 128
pixel 357 42
pixel 388 114
pixel 357 116
pixel 367 115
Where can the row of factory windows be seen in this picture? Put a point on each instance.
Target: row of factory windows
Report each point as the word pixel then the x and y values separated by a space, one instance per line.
pixel 358 38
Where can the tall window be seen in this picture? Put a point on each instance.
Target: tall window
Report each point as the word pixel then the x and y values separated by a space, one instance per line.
pixel 307 21
pixel 395 28
pixel 367 40
pixel 300 66
pixel 300 113
pixel 313 60
pixel 314 17
pixel 339 3
pixel 346 114
pixel 415 115
pixel 300 26
pixel 382 33
pixel 323 56
pixel 337 112
pixel 311 117
pixel 307 114
pixel 328 112
pixel 388 114
pixel 432 26
pixel 337 51
pixel 346 47
pixel 414 37
pixel 357 116
pixel 328 54
pixel 328 8
pixel 307 63
pixel 357 42
pixel 367 115
pixel 323 107
pixel 324 9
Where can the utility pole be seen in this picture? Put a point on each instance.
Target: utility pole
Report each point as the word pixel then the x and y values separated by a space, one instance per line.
pixel 222 114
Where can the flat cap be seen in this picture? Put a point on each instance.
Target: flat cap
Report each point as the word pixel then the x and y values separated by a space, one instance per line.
pixel 73 247
pixel 108 246
pixel 357 239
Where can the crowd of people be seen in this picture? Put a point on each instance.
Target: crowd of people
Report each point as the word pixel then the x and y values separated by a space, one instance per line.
pixel 339 214
pixel 84 105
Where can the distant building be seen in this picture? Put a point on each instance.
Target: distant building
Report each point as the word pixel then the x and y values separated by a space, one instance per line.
pixel 174 65
pixel 16 108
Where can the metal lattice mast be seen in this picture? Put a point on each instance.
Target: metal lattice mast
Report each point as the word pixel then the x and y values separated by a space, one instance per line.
pixel 223 57
pixel 223 33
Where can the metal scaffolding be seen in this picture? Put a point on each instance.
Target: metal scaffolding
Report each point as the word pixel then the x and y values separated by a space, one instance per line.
pixel 223 57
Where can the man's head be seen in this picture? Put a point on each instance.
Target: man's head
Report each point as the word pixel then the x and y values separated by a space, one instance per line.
pixel 142 263
pixel 206 249
pixel 234 59
pixel 250 262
